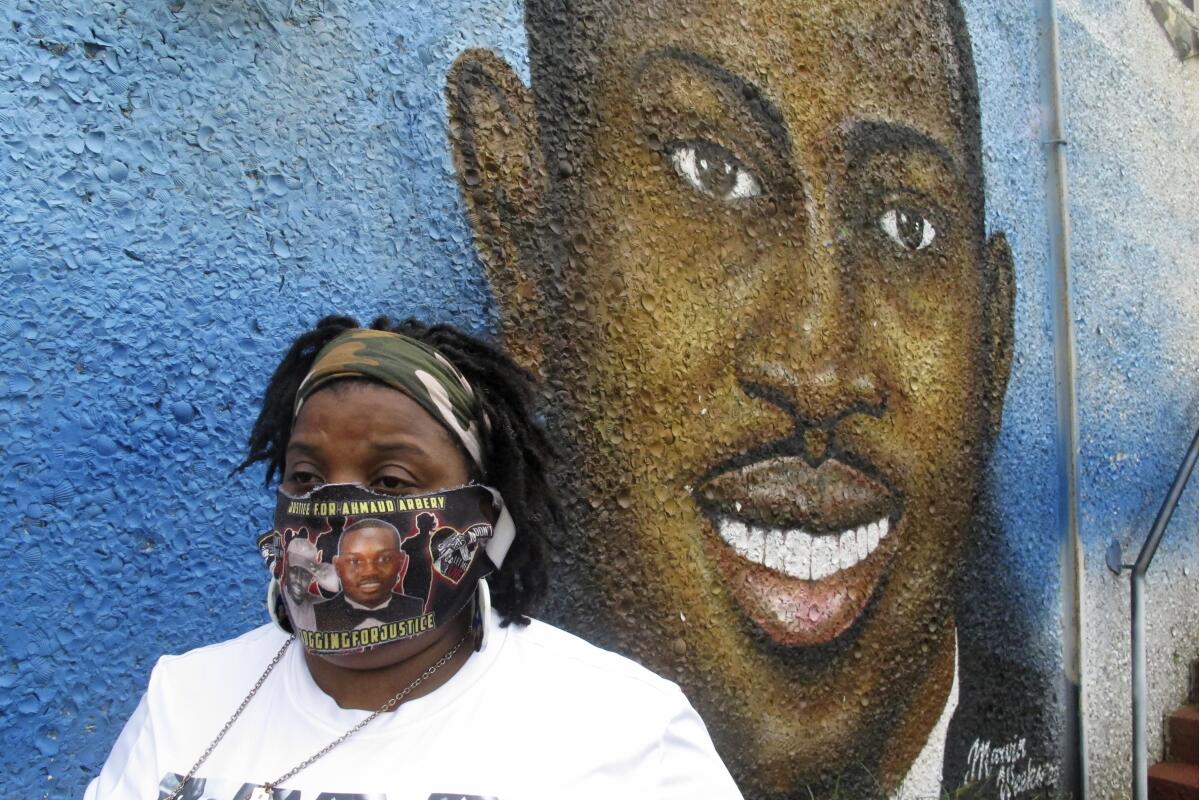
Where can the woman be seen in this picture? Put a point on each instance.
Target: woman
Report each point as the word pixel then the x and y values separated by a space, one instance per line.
pixel 411 462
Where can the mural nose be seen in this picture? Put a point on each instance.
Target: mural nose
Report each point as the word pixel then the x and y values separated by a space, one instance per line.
pixel 817 374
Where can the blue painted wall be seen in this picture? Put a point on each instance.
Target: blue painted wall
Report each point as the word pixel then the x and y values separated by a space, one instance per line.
pixel 186 185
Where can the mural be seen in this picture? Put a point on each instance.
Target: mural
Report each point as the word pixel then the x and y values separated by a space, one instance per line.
pixel 751 262
pixel 782 268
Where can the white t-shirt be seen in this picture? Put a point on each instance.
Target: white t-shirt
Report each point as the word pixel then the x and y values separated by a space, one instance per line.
pixel 538 713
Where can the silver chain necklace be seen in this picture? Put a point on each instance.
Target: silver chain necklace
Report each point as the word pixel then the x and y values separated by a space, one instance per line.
pixel 263 791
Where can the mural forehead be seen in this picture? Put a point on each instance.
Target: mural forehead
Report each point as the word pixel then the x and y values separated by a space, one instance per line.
pixel 809 53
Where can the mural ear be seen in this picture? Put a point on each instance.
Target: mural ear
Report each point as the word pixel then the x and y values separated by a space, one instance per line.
pixel 498 162
pixel 1000 267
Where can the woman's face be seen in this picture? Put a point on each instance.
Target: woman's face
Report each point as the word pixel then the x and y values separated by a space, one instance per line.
pixel 380 438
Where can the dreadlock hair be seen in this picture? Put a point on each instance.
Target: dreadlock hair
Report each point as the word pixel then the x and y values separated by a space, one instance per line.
pixel 516 450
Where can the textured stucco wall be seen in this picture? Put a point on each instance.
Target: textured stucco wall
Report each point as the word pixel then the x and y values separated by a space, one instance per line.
pixel 185 185
pixel 1131 115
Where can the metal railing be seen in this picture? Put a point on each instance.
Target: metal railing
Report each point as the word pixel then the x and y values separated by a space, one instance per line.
pixel 1137 611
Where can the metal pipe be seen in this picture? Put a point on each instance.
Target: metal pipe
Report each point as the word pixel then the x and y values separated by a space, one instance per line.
pixel 1168 508
pixel 1067 425
pixel 1137 617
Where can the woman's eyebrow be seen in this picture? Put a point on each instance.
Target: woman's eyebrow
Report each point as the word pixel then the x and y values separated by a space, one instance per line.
pixel 397 446
pixel 762 110
pixel 301 447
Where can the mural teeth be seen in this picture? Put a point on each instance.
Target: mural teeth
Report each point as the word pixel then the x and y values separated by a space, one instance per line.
pixel 757 545
pixel 884 527
pixel 862 541
pixel 746 541
pixel 848 550
pixel 735 534
pixel 824 557
pixel 799 554
pixel 776 552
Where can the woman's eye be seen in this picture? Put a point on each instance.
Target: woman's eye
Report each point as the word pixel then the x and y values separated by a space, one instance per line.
pixel 907 228
pixel 391 484
pixel 300 479
pixel 713 170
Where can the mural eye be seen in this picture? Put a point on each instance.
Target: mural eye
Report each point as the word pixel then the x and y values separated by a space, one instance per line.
pixel 907 228
pixel 713 170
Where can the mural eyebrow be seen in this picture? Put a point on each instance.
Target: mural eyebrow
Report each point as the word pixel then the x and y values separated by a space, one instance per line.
pixel 764 112
pixel 868 138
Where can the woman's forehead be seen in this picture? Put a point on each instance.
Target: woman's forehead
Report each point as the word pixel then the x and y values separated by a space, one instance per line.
pixel 371 410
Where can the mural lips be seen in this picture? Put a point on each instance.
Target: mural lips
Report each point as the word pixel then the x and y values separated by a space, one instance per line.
pixel 802 548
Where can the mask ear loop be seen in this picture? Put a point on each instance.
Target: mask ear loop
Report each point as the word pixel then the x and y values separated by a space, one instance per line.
pixel 481 612
pixel 276 608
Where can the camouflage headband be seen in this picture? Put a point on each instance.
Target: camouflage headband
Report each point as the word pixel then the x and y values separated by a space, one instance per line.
pixel 406 365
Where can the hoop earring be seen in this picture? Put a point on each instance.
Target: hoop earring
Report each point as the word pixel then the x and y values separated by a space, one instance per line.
pixel 277 609
pixel 481 612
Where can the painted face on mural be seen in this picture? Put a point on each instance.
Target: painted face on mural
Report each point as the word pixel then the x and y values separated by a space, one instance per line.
pixel 782 338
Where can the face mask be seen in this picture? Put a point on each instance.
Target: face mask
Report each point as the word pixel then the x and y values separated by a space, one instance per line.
pixel 358 569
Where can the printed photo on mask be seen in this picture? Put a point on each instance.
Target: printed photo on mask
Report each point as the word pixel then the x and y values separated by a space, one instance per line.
pixel 360 569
